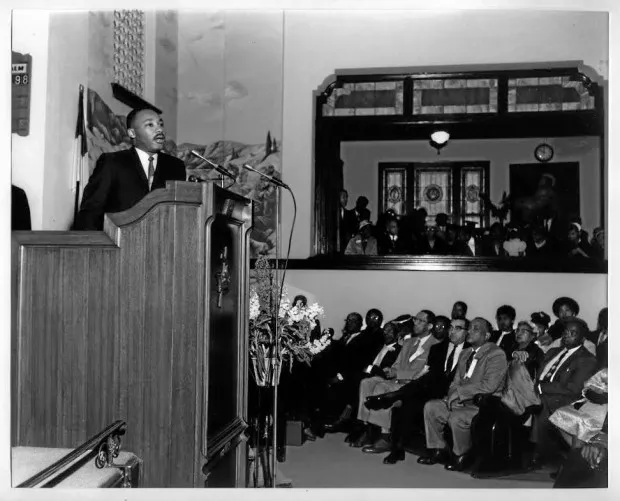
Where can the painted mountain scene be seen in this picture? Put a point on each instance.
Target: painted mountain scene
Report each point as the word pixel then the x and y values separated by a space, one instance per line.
pixel 107 132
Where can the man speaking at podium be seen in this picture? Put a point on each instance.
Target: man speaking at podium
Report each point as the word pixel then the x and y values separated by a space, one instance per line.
pixel 121 179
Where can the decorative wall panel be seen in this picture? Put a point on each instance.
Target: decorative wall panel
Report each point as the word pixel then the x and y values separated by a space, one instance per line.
pixel 129 46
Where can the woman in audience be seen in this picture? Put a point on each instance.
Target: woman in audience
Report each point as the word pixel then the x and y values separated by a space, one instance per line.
pixel 563 307
pixel 577 246
pixel 362 244
pixel 541 323
pixel 540 244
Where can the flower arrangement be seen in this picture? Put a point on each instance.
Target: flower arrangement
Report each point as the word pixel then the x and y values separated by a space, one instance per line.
pixel 295 324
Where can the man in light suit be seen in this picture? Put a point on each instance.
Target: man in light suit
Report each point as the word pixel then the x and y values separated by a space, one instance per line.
pixel 123 178
pixel 409 365
pixel 560 383
pixel 481 369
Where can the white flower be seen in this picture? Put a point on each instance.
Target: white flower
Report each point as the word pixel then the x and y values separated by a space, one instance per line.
pixel 254 305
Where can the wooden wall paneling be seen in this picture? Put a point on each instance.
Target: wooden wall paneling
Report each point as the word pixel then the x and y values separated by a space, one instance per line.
pixel 186 339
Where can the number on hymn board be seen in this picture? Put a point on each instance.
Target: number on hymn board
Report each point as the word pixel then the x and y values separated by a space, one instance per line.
pixel 21 80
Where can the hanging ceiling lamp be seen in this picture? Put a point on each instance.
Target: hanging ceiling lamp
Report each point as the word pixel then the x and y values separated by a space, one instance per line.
pixel 439 139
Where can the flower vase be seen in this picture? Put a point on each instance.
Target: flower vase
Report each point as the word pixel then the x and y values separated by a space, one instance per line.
pixel 265 370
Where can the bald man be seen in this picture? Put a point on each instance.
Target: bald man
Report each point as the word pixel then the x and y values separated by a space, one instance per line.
pixel 481 369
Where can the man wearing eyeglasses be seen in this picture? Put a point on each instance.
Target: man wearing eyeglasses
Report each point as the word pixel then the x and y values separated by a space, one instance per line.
pixel 442 363
pixel 410 365
pixel 481 370
pixel 560 383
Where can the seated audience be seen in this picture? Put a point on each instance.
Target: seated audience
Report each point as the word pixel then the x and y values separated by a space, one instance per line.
pixel 514 246
pixel 481 370
pixel 509 411
pixel 504 336
pixel 563 307
pixel 347 391
pixel 576 245
pixel 493 243
pixel 599 338
pixel 347 221
pixel 540 244
pixel 598 243
pixel 391 241
pixel 560 382
pixel 453 244
pixel 430 243
pixel 586 467
pixel 541 323
pixel 409 365
pixel 363 243
pixel 459 310
pixel 467 245
pixel 407 420
pixel 441 220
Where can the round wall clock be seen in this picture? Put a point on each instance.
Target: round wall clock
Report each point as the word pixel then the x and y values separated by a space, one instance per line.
pixel 543 152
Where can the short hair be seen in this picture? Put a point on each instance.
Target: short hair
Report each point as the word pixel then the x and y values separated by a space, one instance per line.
pixel 583 326
pixel 463 304
pixel 568 301
pixel 506 309
pixel 376 312
pixel 302 298
pixel 442 318
pixel 356 316
pixel 132 115
pixel 602 318
pixel 404 324
pixel 430 316
pixel 486 323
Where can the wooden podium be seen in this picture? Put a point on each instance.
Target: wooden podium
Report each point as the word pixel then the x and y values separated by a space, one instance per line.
pixel 144 322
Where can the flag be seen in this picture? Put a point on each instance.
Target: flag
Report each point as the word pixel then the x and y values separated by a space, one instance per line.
pixel 80 154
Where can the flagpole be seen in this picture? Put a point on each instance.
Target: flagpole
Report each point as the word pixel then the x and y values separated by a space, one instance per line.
pixel 81 149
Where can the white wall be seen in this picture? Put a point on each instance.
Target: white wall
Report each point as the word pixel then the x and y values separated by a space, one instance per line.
pixel 399 292
pixel 68 35
pixel 361 159
pixel 30 36
pixel 318 43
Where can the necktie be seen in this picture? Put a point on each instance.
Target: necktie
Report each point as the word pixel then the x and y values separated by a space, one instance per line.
pixel 554 367
pixel 450 359
pixel 151 171
pixel 469 361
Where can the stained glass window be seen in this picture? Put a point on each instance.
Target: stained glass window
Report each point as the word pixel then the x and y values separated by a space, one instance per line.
pixel 446 96
pixel 433 190
pixel 365 98
pixel 395 190
pixel 548 94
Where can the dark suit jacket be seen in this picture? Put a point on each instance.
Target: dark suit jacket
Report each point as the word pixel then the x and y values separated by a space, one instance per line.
pixel 20 210
pixel 353 357
pixel 440 247
pixel 119 182
pixel 347 227
pixel 488 377
pixel 509 342
pixel 387 246
pixel 568 383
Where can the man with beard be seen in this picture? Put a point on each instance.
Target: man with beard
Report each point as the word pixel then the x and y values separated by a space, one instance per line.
pixel 121 179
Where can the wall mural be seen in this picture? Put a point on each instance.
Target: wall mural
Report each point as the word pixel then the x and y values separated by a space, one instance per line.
pixel 107 132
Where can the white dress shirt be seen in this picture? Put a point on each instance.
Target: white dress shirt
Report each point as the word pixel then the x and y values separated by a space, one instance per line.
pixel 562 353
pixel 144 160
pixel 352 337
pixel 420 349
pixel 384 351
pixel 473 365
pixel 501 336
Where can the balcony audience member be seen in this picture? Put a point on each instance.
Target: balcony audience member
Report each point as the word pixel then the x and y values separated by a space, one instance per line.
pixel 563 307
pixel 504 336
pixel 430 243
pixel 453 247
pixel 598 243
pixel 459 310
pixel 599 338
pixel 493 243
pixel 441 220
pixel 514 246
pixel 481 370
pixel 576 245
pixel 361 209
pixel 347 391
pixel 363 243
pixel 554 224
pixel 540 244
pixel 347 221
pixel 467 243
pixel 560 382
pixel 391 241
pixel 408 419
pixel 409 365
pixel 509 411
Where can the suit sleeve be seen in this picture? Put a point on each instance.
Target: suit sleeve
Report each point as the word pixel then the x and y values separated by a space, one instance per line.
pixel 494 376
pixel 412 370
pixel 585 367
pixel 95 196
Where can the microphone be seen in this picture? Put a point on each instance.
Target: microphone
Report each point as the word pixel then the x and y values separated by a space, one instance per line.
pixel 217 167
pixel 272 179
